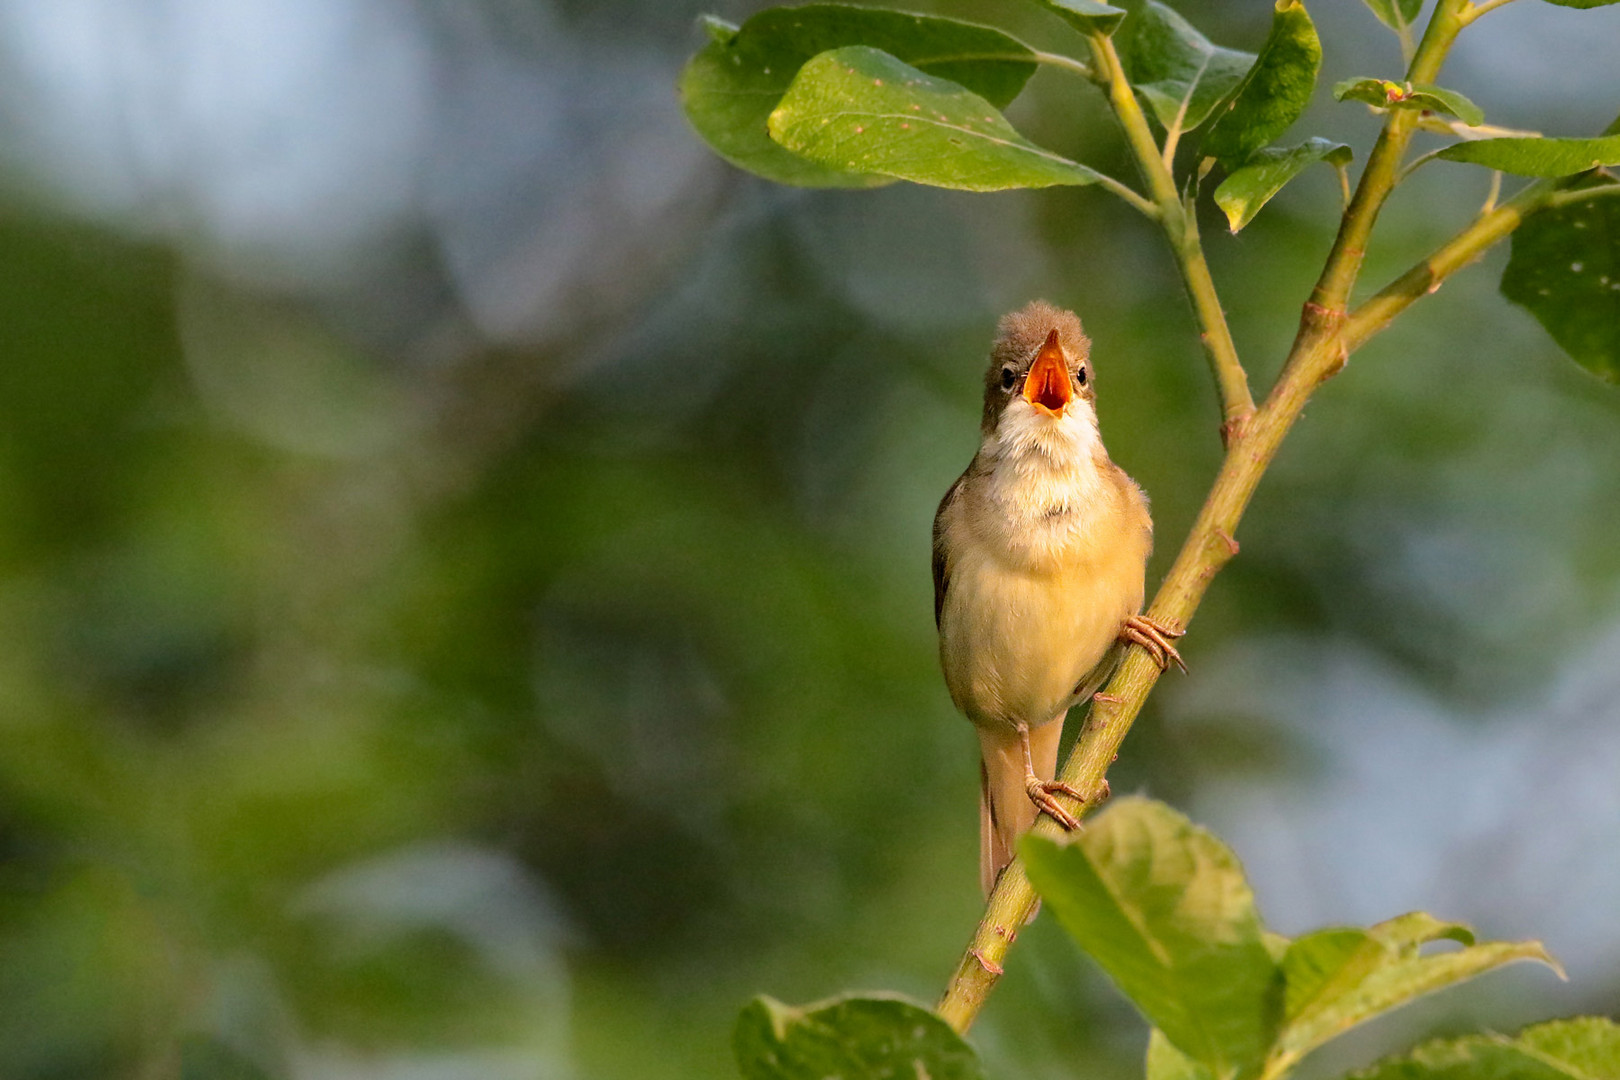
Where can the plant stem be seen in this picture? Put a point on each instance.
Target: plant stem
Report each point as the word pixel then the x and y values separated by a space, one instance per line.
pixel 1565 196
pixel 1326 336
pixel 1471 12
pixel 1462 249
pixel 1148 208
pixel 1068 63
pixel 1180 226
pixel 1328 299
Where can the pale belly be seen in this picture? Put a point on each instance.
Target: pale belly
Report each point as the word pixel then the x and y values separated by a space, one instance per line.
pixel 1015 644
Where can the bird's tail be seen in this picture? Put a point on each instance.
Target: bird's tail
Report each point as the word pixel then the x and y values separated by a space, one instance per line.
pixel 1005 809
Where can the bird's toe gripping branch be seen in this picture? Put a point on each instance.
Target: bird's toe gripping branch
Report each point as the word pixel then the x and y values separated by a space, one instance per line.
pixel 1041 792
pixel 1154 636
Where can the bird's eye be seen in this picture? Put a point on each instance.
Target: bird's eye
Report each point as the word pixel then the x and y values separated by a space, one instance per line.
pixel 1080 376
pixel 1008 377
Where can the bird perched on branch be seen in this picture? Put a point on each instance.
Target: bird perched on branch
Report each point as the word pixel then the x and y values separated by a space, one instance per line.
pixel 1040 550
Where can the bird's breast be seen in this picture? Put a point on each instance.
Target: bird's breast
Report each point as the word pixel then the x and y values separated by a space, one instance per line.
pixel 1036 599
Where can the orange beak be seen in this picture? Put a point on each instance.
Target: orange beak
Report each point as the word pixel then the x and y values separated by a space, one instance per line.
pixel 1047 385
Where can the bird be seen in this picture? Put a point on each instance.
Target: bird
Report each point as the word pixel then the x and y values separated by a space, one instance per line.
pixel 1040 561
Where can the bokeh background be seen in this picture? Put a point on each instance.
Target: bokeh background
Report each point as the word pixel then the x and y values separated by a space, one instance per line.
pixel 464 591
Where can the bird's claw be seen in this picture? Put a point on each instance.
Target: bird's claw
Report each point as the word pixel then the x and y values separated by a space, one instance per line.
pixel 1154 637
pixel 1041 792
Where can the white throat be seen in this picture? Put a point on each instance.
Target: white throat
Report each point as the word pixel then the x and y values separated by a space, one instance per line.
pixel 1045 469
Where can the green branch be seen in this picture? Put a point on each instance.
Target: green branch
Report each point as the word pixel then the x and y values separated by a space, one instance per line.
pixel 1470 12
pixel 1180 226
pixel 1326 307
pixel 1148 208
pixel 1462 249
pixel 1067 63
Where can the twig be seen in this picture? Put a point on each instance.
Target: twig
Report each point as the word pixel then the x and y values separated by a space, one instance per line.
pixel 1565 196
pixel 1068 63
pixel 1417 163
pixel 1172 134
pixel 1378 179
pixel 1471 12
pixel 1462 249
pixel 1146 207
pixel 1181 228
pixel 1344 184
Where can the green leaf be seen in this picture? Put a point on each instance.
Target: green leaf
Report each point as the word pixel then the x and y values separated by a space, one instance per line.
pixel 1165 1062
pixel 1583 3
pixel 719 30
pixel 1246 190
pixel 863 111
pixel 1322 966
pixel 1392 95
pixel 1565 269
pixel 1273 93
pixel 878 1037
pixel 1086 16
pixel 1537 157
pixel 1395 14
pixel 1404 933
pixel 730 87
pixel 1587 1048
pixel 1175 69
pixel 1162 906
pixel 1351 986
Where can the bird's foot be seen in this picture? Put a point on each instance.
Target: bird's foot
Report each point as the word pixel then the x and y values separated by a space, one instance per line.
pixel 1041 793
pixel 1154 636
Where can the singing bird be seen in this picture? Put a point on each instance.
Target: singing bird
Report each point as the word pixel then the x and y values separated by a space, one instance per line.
pixel 1040 551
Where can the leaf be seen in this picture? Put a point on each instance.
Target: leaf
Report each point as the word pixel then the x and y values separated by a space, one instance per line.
pixel 1586 1048
pixel 1086 16
pixel 719 30
pixel 1583 3
pixel 1172 66
pixel 1404 933
pixel 1565 269
pixel 1536 156
pixel 730 87
pixel 1392 95
pixel 1322 966
pixel 1246 190
pixel 878 1037
pixel 1357 991
pixel 1165 1062
pixel 1395 14
pixel 1162 906
pixel 861 110
pixel 1273 93
pixel 1586 1045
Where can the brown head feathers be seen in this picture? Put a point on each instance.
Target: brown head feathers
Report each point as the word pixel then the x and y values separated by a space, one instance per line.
pixel 1019 337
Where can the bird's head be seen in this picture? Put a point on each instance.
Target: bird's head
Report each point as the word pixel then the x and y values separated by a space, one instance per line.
pixel 1039 391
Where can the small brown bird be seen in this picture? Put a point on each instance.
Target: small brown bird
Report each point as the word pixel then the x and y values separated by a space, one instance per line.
pixel 1040 550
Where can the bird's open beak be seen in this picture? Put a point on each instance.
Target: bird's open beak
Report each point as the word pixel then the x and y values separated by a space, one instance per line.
pixel 1047 385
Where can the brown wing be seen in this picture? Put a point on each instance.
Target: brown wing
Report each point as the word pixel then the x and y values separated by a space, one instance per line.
pixel 942 571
